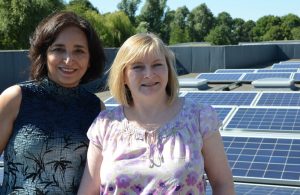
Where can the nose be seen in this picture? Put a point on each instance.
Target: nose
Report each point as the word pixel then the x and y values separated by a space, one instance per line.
pixel 68 58
pixel 148 73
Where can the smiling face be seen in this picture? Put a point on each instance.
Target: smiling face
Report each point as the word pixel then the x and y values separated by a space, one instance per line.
pixel 68 57
pixel 147 77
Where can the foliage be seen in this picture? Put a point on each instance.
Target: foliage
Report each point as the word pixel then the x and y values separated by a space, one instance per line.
pixel 129 7
pixel 19 19
pixel 201 21
pixel 178 28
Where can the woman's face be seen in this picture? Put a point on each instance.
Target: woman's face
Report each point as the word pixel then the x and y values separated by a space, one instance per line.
pixel 68 57
pixel 147 78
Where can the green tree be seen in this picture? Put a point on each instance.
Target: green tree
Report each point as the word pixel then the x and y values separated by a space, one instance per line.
pixel 289 22
pixel 129 7
pixel 153 13
pixel 200 21
pixel 263 25
pixel 19 19
pixel 120 28
pixel 179 29
pixel 274 33
pixel 296 33
pixel 220 35
pixel 80 6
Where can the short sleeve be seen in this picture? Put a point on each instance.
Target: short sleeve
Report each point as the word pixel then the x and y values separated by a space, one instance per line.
pixel 97 130
pixel 209 121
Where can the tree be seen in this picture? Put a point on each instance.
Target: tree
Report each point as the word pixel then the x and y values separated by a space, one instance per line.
pixel 120 28
pixel 263 25
pixel 274 33
pixel 220 35
pixel 296 33
pixel 80 6
pixel 19 19
pixel 200 21
pixel 153 13
pixel 129 7
pixel 179 29
pixel 289 22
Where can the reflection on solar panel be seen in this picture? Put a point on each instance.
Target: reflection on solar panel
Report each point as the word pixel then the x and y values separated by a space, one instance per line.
pixel 255 76
pixel 234 70
pixel 110 100
pixel 220 77
pixel 294 65
pixel 279 99
pixel 279 70
pixel 223 98
pixel 296 77
pixel 1 175
pixel 258 189
pixel 280 119
pixel 110 106
pixel 264 160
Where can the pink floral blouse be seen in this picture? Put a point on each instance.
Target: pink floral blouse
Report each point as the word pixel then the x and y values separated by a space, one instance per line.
pixel 172 165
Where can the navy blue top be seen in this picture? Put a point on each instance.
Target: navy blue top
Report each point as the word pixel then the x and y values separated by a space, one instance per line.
pixel 46 152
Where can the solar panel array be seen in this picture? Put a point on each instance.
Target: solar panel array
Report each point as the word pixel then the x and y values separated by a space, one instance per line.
pixel 268 160
pixel 260 189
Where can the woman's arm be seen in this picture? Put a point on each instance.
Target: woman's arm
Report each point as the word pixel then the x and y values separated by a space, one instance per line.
pixel 10 101
pixel 216 165
pixel 90 182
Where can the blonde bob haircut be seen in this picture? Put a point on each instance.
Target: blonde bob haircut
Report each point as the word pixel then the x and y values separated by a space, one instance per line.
pixel 133 49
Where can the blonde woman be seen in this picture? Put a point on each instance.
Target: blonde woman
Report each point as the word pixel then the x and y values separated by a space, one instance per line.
pixel 154 142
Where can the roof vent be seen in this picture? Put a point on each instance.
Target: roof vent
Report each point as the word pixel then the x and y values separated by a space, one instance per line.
pixel 273 82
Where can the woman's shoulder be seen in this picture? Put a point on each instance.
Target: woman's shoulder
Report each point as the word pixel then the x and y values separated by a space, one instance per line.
pixel 195 105
pixel 112 112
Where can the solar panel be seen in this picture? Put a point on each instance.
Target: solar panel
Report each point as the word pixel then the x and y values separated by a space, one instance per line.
pixel 294 65
pixel 1 175
pixel 1 160
pixel 223 98
pixel 279 99
pixel 220 77
pixel 234 70
pixel 224 111
pixel 278 70
pixel 254 76
pixel 271 119
pixel 110 100
pixel 264 160
pixel 110 106
pixel 260 189
pixel 296 77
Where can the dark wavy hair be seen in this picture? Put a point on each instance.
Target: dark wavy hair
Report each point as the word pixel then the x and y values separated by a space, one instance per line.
pixel 47 31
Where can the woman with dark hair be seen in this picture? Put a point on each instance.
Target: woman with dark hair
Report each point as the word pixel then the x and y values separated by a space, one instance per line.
pixel 43 122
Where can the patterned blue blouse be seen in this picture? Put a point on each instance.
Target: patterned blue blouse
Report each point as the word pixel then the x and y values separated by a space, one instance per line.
pixel 46 152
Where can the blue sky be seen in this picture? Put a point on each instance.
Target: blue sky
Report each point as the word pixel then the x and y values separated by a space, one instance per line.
pixel 245 9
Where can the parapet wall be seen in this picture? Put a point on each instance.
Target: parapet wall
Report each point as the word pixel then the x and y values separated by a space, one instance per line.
pixel 14 65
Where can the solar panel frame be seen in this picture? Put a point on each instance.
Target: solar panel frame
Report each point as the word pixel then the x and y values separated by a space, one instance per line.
pixel 223 97
pixel 224 112
pixel 278 98
pixel 249 77
pixel 274 66
pixel 260 189
pixel 278 70
pixel 296 77
pixel 220 77
pixel 282 119
pixel 235 70
pixel 263 158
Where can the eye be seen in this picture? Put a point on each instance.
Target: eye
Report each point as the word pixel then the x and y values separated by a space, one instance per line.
pixel 137 67
pixel 157 65
pixel 79 51
pixel 57 49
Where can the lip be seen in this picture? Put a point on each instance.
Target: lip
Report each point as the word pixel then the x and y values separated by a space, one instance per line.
pixel 67 70
pixel 149 84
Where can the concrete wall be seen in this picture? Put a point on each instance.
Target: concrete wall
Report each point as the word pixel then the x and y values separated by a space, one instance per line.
pixel 14 65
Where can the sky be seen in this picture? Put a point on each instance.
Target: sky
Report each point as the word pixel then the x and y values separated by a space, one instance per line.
pixel 245 9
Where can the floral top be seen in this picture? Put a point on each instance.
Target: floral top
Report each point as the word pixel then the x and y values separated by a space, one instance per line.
pixel 172 165
pixel 46 152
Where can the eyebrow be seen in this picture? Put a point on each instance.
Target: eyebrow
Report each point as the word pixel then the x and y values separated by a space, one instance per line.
pixel 62 45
